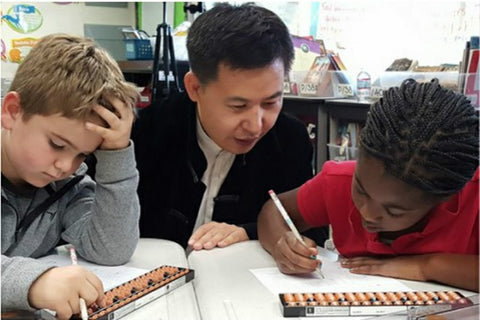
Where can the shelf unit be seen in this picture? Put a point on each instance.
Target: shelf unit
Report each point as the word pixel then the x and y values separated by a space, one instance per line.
pixel 327 112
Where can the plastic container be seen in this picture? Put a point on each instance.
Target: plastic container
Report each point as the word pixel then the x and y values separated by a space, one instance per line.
pixel 138 49
pixel 364 84
pixel 339 153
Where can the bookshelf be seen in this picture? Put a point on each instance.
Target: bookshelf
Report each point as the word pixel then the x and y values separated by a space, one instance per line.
pixel 346 118
pixel 312 111
pixel 329 113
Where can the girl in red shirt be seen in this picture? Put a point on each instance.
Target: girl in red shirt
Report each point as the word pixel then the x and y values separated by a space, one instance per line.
pixel 408 207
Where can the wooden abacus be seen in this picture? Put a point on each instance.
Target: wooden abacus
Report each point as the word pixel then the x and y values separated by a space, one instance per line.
pixel 328 304
pixel 139 291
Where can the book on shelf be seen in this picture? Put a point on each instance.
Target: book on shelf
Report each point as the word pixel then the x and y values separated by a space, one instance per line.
pixel 318 70
pixel 306 50
pixel 339 67
pixel 463 67
pixel 403 64
pixel 323 50
pixel 318 80
pixel 337 62
pixel 471 88
pixel 474 42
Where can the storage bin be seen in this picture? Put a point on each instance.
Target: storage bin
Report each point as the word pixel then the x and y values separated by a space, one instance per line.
pixel 138 49
pixel 339 153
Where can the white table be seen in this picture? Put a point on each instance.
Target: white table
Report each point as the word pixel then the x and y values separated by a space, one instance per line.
pixel 227 290
pixel 180 303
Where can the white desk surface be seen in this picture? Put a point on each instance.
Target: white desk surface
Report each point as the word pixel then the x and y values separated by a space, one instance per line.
pixel 179 304
pixel 227 290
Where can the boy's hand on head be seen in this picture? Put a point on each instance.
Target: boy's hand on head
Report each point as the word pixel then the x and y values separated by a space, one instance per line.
pixel 60 289
pixel 292 257
pixel 404 267
pixel 216 234
pixel 119 125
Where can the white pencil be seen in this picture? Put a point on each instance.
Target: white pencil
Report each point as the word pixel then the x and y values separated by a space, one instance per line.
pixel 83 304
pixel 289 222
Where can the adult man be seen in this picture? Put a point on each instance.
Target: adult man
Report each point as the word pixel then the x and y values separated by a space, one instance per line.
pixel 207 158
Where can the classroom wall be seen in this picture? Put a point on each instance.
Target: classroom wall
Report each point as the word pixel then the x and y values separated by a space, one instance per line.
pixel 367 34
pixel 52 17
pixel 371 34
pixel 152 16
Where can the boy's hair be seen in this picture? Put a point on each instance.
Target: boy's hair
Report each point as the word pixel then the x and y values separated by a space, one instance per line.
pixel 426 136
pixel 67 74
pixel 241 37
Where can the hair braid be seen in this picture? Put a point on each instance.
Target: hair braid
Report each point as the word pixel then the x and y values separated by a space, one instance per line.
pixel 426 136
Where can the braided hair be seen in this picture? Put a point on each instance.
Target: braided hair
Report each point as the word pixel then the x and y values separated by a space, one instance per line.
pixel 426 135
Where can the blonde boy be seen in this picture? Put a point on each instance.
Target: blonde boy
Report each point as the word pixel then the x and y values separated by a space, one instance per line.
pixel 68 100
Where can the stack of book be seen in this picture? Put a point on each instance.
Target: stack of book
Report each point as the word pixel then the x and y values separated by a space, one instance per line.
pixel 316 72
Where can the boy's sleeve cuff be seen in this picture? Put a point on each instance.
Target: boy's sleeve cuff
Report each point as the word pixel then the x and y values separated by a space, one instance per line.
pixel 17 280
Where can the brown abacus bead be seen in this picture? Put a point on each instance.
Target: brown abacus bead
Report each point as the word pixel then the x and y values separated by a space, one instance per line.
pixel 340 297
pixel 298 297
pixel 422 296
pixel 401 296
pixel 432 296
pixel 381 296
pixel 350 296
pixel 453 295
pixel 412 296
pixel 370 296
pixel 288 297
pixel 329 297
pixel 308 297
pixel 360 296
pixel 443 296
pixel 319 297
pixel 391 296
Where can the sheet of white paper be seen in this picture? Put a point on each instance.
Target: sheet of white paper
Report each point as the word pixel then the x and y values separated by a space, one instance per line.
pixel 337 279
pixel 110 276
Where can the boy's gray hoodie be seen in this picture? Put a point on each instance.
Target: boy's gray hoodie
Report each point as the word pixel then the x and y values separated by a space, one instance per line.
pixel 99 218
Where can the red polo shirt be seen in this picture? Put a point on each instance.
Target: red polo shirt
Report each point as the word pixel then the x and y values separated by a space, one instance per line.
pixel 326 199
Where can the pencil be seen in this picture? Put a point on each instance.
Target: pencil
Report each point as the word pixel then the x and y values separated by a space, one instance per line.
pixel 290 224
pixel 83 304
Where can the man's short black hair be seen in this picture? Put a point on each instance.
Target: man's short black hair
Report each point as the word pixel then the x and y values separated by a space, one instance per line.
pixel 241 37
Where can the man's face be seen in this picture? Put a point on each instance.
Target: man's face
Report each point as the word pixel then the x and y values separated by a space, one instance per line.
pixel 45 149
pixel 240 106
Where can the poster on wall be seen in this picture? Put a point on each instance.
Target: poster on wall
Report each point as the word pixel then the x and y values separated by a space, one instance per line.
pixel 19 49
pixel 23 19
pixel 4 51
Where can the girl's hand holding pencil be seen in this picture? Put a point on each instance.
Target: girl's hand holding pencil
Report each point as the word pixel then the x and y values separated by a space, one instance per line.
pixel 299 253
